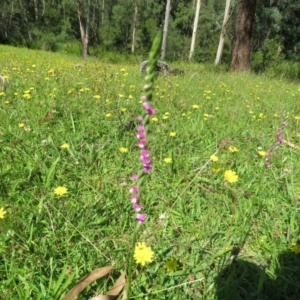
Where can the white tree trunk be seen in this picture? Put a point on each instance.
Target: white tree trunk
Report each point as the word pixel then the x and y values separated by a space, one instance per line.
pixel 223 33
pixel 134 27
pixel 84 24
pixel 195 28
pixel 165 33
pixel 36 10
pixel 102 13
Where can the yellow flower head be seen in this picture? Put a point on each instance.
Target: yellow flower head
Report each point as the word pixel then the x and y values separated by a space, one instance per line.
pixel 216 168
pixel 262 153
pixel 2 212
pixel 295 248
pixel 154 119
pixel 123 150
pixel 233 149
pixel 231 176
pixel 65 146
pixel 172 134
pixel 143 254
pixel 171 265
pixel 195 106
pixel 167 160
pixel 21 125
pixel 60 190
pixel 109 115
pixel 214 158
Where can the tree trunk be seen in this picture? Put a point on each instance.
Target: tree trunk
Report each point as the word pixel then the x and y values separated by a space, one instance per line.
pixel 165 33
pixel 195 28
pixel 36 10
pixel 84 23
pixel 102 13
pixel 243 32
pixel 23 13
pixel 134 27
pixel 223 33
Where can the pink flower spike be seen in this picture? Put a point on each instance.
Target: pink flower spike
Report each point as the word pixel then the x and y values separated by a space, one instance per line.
pixel 150 110
pixel 141 218
pixel 146 105
pixel 134 198
pixel 141 144
pixel 268 165
pixel 137 207
pixel 133 189
pixel 147 168
pixel 141 128
pixel 141 135
pixel 145 153
pixel 134 177
pixel 140 118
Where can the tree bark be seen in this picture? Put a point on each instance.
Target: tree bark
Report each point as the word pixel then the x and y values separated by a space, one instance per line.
pixel 134 27
pixel 84 23
pixel 36 10
pixel 165 33
pixel 195 28
pixel 243 32
pixel 223 33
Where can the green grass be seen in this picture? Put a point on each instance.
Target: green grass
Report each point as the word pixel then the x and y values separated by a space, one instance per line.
pixel 232 241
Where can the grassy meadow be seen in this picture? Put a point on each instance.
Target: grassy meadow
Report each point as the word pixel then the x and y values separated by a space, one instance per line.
pixel 64 124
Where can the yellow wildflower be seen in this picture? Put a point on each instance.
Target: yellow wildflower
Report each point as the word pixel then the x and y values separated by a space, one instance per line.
pixel 123 150
pixel 171 265
pixel 167 160
pixel 143 254
pixel 2 212
pixel 262 153
pixel 295 248
pixel 214 158
pixel 65 146
pixel 60 190
pixel 231 176
pixel 233 149
pixel 172 134
pixel 216 168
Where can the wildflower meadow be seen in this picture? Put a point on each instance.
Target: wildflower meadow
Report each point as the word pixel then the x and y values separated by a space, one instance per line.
pixel 164 187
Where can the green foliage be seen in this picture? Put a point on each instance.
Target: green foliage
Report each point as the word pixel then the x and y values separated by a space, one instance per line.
pixel 225 237
pixel 268 57
pixel 284 69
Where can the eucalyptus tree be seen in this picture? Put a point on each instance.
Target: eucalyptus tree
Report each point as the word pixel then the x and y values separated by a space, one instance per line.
pixel 195 28
pixel 84 24
pixel 223 33
pixel 243 33
pixel 165 32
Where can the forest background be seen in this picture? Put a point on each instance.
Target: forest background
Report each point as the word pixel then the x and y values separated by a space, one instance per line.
pixel 128 27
